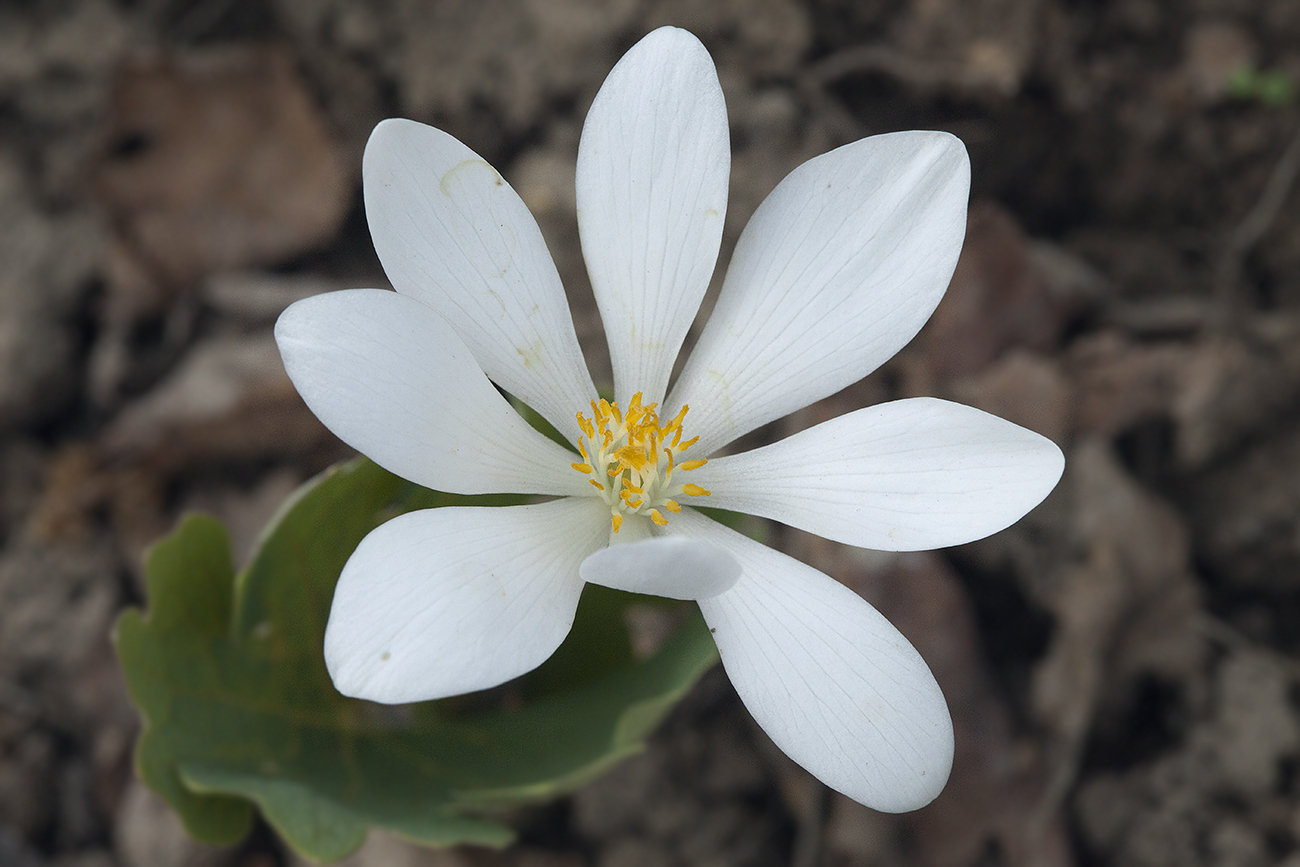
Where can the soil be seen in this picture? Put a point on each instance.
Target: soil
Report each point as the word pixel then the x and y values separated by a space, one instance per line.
pixel 1122 665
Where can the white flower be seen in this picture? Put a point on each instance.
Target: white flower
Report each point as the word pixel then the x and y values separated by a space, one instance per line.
pixel 836 271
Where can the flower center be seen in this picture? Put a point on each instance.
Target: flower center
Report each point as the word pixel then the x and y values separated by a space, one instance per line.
pixel 632 459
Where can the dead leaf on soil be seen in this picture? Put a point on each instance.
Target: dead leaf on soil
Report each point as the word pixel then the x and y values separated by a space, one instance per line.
pixel 216 160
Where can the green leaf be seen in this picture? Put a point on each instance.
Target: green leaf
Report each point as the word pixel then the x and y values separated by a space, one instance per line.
pixel 1271 87
pixel 540 423
pixel 239 710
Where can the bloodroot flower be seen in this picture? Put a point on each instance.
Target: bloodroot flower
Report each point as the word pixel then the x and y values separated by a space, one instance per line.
pixel 836 271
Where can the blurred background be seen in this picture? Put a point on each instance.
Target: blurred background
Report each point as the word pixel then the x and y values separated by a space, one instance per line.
pixel 1121 665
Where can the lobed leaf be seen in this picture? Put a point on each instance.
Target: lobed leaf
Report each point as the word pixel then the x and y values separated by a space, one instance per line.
pixel 239 710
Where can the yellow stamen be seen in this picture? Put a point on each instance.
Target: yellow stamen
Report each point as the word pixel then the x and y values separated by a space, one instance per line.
pixel 631 456
pixel 638 454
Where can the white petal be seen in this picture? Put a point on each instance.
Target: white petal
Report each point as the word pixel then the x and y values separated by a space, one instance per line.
pixel 671 566
pixel 909 475
pixel 452 233
pixel 391 379
pixel 838 268
pixel 829 679
pixel 653 166
pixel 446 601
